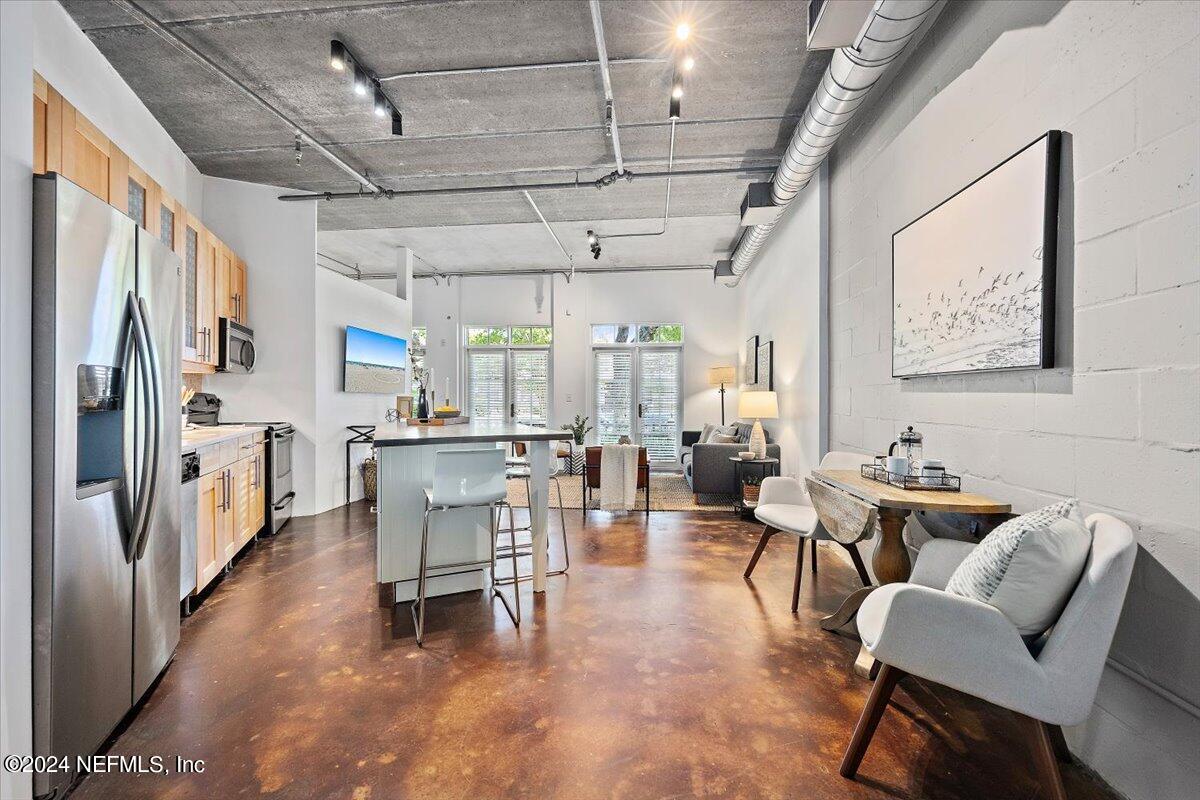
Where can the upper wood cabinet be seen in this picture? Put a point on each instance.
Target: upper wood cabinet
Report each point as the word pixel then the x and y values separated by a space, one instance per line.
pixel 214 285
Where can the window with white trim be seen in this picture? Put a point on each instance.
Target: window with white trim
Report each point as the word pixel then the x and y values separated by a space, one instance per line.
pixel 508 373
pixel 637 374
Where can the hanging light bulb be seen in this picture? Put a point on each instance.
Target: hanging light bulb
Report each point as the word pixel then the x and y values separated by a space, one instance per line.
pixel 337 55
pixel 381 104
pixel 682 31
pixel 360 82
pixel 688 63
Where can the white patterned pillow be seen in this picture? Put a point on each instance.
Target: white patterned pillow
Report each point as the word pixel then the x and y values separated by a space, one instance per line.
pixel 1028 567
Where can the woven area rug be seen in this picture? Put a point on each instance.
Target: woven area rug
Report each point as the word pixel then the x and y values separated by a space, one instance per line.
pixel 668 492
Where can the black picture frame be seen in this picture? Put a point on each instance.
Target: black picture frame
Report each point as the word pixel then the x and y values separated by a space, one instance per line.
pixel 1052 141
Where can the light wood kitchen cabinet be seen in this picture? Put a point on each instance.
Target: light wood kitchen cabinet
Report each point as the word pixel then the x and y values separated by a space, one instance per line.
pixel 259 503
pixel 214 286
pixel 226 535
pixel 243 495
pixel 211 506
pixel 231 285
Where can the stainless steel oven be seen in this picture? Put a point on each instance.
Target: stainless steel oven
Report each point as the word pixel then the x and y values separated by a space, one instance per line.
pixel 236 352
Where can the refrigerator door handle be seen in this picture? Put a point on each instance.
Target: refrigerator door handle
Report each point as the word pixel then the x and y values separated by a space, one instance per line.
pixel 141 501
pixel 156 417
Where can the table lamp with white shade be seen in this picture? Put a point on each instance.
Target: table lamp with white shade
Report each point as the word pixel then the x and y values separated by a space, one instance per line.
pixel 758 406
pixel 719 376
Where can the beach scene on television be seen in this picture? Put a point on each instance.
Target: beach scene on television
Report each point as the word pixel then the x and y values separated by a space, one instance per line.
pixel 968 292
pixel 375 363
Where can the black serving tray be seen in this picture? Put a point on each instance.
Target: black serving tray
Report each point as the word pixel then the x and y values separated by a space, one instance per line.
pixel 946 483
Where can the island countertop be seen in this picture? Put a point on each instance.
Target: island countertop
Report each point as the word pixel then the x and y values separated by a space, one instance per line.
pixel 402 435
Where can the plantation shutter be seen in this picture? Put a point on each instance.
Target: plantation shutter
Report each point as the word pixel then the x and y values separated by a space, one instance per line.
pixel 658 403
pixel 614 394
pixel 529 387
pixel 485 385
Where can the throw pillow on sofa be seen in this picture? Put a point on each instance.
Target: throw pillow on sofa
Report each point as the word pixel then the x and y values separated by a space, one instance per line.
pixel 1028 567
pixel 723 438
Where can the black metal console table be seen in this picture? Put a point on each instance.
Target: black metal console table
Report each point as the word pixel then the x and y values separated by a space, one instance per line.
pixel 363 434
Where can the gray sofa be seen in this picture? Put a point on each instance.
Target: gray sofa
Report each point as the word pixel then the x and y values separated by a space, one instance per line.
pixel 707 468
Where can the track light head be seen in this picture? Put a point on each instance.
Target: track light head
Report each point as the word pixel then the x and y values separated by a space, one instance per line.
pixel 381 103
pixel 360 82
pixel 688 63
pixel 592 240
pixel 397 123
pixel 677 91
pixel 673 108
pixel 337 56
pixel 682 31
pixel 596 252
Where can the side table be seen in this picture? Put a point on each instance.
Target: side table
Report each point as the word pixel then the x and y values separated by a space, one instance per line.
pixel 767 467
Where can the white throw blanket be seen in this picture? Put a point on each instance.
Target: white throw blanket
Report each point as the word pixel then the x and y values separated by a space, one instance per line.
pixel 618 477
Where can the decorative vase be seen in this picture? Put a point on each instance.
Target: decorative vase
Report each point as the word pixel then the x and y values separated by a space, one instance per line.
pixel 422 405
pixel 758 440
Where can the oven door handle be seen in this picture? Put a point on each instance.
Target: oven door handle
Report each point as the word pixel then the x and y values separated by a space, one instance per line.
pixel 285 501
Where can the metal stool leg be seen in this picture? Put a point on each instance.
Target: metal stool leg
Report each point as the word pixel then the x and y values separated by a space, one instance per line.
pixel 516 618
pixel 562 521
pixel 418 606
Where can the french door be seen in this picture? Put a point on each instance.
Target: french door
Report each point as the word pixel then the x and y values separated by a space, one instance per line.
pixel 637 394
pixel 509 385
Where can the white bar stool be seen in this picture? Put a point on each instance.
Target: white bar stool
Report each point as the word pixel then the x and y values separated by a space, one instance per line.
pixel 466 479
pixel 517 468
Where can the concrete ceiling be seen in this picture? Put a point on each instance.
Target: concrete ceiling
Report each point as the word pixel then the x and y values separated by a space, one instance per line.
pixel 753 77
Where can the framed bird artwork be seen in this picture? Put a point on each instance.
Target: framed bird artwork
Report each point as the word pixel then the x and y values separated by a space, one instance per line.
pixel 973 279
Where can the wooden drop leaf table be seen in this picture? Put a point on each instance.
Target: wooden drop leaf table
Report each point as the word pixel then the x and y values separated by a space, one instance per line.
pixel 849 506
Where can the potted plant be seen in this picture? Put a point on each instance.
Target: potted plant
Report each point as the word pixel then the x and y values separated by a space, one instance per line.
pixel 579 429
pixel 750 488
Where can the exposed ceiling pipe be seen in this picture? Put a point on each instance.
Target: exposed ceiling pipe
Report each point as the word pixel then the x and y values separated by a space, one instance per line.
pixel 501 273
pixel 666 206
pixel 850 75
pixel 557 241
pixel 610 108
pixel 141 15
pixel 437 73
pixel 390 194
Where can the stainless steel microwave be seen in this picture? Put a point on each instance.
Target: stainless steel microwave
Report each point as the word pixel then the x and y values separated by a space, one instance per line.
pixel 236 352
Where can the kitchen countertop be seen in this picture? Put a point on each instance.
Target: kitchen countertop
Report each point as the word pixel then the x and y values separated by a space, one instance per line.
pixel 401 435
pixel 204 435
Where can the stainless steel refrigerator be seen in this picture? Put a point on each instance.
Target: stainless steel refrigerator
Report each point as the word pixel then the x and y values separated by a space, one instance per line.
pixel 105 452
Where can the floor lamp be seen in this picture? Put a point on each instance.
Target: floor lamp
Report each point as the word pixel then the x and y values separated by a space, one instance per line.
pixel 719 376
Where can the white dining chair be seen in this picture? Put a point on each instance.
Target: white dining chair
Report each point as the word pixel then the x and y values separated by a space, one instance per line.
pixel 916 628
pixel 784 507
pixel 466 479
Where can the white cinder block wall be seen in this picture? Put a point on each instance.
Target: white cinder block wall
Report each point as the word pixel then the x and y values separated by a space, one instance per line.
pixel 1118 423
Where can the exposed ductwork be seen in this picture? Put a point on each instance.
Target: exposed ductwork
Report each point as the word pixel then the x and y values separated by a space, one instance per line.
pixel 850 75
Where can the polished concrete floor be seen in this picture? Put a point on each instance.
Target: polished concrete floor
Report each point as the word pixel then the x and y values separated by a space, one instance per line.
pixel 653 670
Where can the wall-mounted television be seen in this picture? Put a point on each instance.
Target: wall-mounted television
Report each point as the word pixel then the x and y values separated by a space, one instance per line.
pixel 375 362
pixel 973 278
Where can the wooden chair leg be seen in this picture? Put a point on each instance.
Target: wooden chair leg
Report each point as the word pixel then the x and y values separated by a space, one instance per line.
pixel 852 549
pixel 767 533
pixel 877 701
pixel 799 571
pixel 814 556
pixel 1061 751
pixel 1047 762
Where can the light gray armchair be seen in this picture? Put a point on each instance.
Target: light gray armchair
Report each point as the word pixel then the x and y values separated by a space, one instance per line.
pixel 916 628
pixel 784 507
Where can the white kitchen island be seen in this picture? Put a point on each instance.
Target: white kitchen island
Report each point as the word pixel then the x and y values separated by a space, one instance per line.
pixel 405 462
